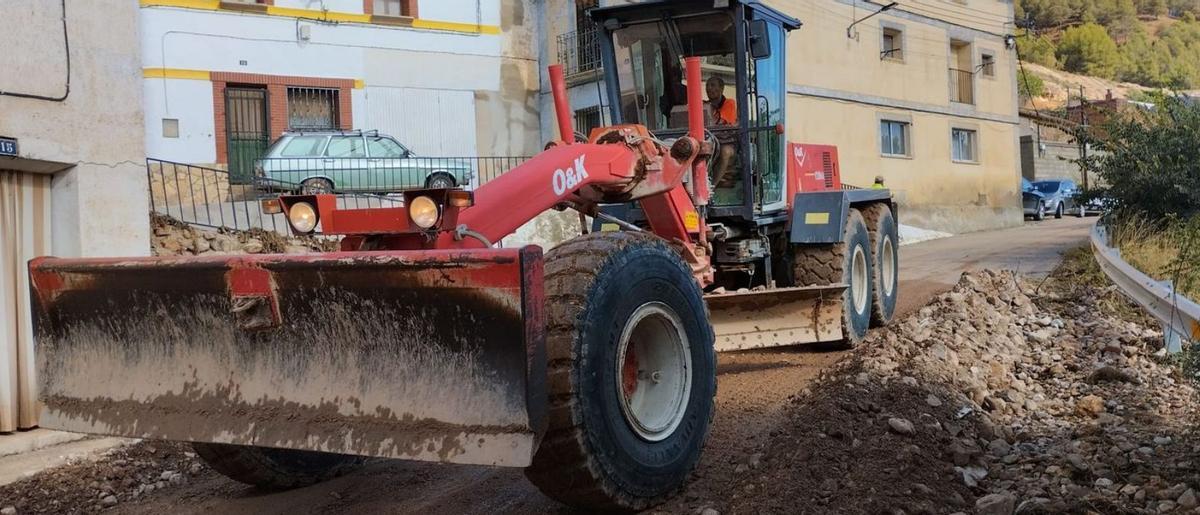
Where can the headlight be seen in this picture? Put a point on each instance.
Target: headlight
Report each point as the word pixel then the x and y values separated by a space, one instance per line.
pixel 423 211
pixel 303 217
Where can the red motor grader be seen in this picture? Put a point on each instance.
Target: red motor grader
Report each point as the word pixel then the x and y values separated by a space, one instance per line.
pixel 592 365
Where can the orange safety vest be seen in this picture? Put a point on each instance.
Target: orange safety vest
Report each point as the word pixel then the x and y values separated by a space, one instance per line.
pixel 727 111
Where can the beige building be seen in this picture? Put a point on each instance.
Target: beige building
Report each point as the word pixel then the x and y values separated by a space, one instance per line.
pixel 72 178
pixel 923 94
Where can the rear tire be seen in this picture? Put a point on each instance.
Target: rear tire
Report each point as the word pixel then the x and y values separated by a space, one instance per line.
pixel 885 258
pixel 275 469
pixel 1058 211
pixel 819 265
pixel 440 181
pixel 623 437
pixel 316 186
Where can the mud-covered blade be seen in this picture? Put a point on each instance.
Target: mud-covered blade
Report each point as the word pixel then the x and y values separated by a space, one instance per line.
pixel 776 317
pixel 426 355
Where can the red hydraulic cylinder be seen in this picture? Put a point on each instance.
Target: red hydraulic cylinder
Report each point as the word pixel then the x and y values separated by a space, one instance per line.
pixel 562 110
pixel 695 106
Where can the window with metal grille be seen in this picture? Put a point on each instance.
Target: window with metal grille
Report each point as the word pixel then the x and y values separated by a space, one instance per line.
pixel 892 44
pixel 587 119
pixel 963 145
pixel 988 65
pixel 312 108
pixel 893 138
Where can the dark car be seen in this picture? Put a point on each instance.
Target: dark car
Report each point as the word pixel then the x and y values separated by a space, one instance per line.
pixel 1057 194
pixel 1033 202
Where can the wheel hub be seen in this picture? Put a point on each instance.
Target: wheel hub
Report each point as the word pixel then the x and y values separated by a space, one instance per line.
pixel 887 260
pixel 654 366
pixel 858 278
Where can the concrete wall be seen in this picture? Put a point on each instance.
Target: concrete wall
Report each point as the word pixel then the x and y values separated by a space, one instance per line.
pixel 1054 161
pixel 460 79
pixel 91 140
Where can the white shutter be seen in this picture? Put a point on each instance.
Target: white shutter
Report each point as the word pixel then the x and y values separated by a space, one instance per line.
pixel 431 122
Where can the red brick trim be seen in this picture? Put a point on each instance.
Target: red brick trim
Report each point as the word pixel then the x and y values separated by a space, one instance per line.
pixel 408 8
pixel 276 101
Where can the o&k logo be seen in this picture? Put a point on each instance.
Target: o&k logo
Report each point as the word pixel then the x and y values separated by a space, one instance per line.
pixel 568 179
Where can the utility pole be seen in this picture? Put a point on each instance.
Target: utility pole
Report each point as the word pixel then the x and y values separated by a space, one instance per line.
pixel 1083 132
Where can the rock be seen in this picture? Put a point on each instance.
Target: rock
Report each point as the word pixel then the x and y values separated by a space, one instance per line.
pixel 1162 440
pixel 8 510
pixel 1104 483
pixel 296 249
pixel 253 246
pixel 971 476
pixel 908 381
pixel 862 379
pixel 995 504
pixel 1111 374
pixel 110 500
pixel 1188 500
pixel 225 243
pixel 933 401
pixel 1077 462
pixel 200 245
pixel 1129 489
pixel 901 426
pixel 1166 507
pixel 999 448
pixel 709 511
pixel 1089 406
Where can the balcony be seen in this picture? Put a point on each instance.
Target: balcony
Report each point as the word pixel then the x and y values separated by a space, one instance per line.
pixel 579 53
pixel 962 86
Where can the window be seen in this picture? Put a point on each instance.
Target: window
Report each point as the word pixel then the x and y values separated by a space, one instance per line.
pixel 893 138
pixel 170 127
pixel 587 119
pixel 346 146
pixel 385 147
pixel 893 44
pixel 390 8
pixel 312 108
pixel 963 145
pixel 987 65
pixel 303 146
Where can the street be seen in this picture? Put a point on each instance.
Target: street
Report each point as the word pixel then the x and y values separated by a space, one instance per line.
pixel 754 387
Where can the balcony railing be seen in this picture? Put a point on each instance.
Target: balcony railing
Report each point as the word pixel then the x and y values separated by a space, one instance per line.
pixel 579 52
pixel 962 86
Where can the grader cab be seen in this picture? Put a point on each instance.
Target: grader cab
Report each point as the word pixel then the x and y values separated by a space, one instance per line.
pixel 592 365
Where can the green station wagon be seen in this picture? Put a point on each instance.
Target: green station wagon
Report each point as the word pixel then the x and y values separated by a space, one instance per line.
pixel 354 161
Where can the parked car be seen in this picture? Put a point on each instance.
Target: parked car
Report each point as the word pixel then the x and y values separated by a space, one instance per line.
pixel 354 161
pixel 1058 195
pixel 1096 206
pixel 1033 202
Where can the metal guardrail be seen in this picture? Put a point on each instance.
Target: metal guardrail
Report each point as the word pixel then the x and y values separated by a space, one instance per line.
pixel 1179 315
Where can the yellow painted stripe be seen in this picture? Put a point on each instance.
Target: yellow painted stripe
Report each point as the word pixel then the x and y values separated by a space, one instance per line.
pixel 210 5
pixel 175 73
pixel 358 84
pixel 455 26
pixel 312 14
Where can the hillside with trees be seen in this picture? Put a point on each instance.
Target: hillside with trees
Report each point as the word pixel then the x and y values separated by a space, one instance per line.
pixel 1154 43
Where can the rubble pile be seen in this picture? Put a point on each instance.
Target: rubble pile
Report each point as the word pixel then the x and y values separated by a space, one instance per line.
pixel 989 400
pixel 170 237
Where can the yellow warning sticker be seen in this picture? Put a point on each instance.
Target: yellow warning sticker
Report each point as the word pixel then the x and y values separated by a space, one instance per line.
pixel 816 218
pixel 691 221
pixel 609 228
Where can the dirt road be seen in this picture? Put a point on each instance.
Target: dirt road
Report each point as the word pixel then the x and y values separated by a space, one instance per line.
pixel 754 388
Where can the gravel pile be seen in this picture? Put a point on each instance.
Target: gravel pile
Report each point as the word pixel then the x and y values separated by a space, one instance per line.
pixel 990 400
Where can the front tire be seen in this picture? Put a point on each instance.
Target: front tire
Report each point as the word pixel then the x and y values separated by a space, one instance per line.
pixel 1058 211
pixel 848 262
pixel 632 373
pixel 440 181
pixel 275 469
pixel 1040 214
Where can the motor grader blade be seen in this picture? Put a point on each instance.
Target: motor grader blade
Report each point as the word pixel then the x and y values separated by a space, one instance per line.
pixel 425 355
pixel 776 317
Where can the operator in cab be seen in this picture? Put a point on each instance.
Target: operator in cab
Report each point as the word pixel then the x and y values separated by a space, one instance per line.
pixel 722 113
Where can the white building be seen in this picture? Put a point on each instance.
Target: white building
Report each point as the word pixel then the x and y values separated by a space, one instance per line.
pixel 446 77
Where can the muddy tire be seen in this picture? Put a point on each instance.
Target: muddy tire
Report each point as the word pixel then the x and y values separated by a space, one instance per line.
pixel 316 186
pixel 819 265
pixel 632 373
pixel 275 469
pixel 885 260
